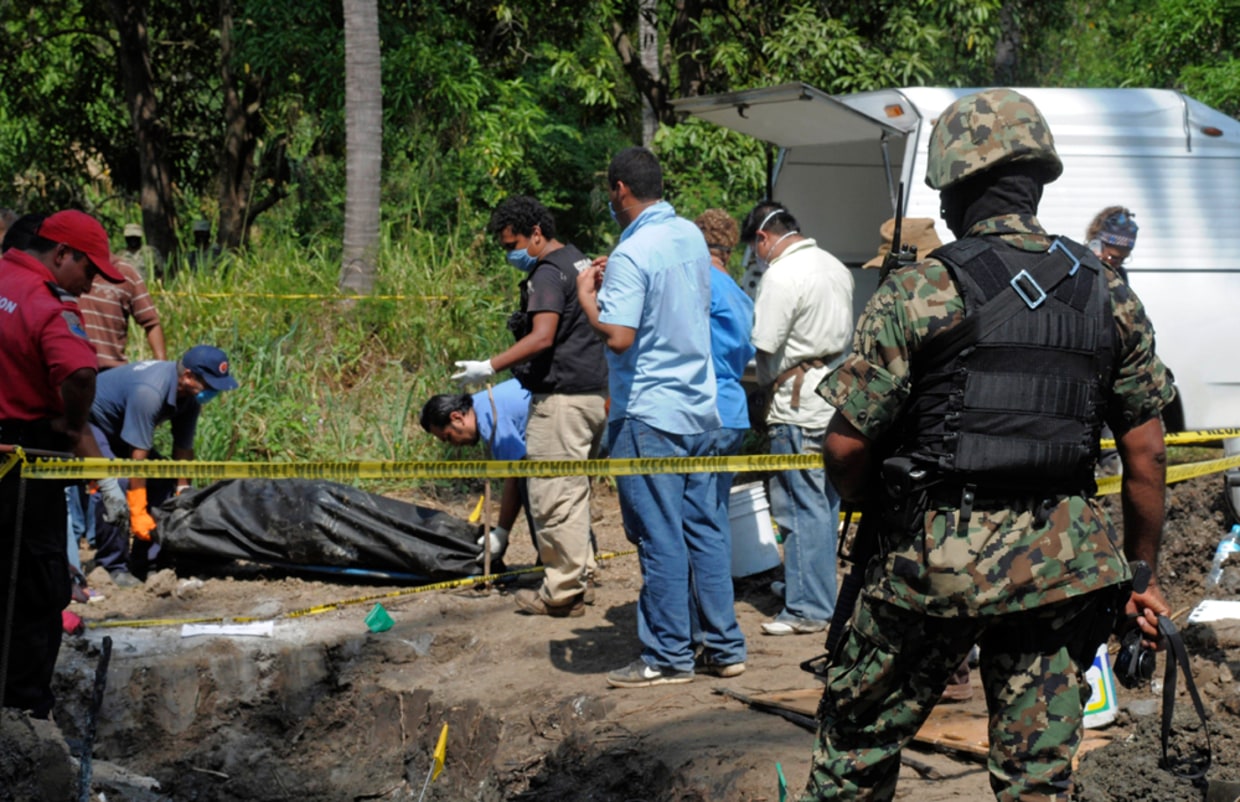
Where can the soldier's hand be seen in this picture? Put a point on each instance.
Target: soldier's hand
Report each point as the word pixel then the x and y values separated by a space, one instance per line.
pixel 1145 607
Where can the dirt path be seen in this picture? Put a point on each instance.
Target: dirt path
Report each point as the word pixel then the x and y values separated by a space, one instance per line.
pixel 325 709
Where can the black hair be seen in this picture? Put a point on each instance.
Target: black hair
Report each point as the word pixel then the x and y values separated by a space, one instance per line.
pixel 23 235
pixel 438 411
pixel 521 213
pixel 639 169
pixel 781 222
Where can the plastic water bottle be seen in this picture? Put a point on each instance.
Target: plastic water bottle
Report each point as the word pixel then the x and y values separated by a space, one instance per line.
pixel 1230 544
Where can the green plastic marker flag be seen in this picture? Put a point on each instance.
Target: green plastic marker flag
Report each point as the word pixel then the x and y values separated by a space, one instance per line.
pixel 783 784
pixel 378 620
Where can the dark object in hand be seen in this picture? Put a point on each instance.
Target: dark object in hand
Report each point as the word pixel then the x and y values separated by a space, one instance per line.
pixel 1134 665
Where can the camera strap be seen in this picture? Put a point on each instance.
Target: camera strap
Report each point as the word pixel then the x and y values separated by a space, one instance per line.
pixel 1177 654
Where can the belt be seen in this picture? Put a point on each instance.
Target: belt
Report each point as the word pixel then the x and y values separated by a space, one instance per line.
pixel 797 374
pixel 967 498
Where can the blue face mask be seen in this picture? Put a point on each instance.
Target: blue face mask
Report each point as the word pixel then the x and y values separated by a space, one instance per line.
pixel 206 395
pixel 520 259
pixel 612 209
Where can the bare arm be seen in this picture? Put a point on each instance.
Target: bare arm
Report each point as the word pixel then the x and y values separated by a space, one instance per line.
pixel 766 368
pixel 155 337
pixel 138 482
pixel 540 338
pixel 1144 454
pixel 617 338
pixel 77 393
pixel 846 456
pixel 509 503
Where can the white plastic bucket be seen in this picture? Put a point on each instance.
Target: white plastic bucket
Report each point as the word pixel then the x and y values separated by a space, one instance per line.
pixel 753 538
pixel 1101 707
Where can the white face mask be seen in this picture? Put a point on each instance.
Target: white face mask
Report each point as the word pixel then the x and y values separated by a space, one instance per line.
pixel 763 264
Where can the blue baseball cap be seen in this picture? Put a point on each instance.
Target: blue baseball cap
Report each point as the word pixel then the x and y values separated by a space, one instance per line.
pixel 211 364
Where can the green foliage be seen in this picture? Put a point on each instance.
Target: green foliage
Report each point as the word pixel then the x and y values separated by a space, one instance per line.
pixel 327 379
pixel 1189 45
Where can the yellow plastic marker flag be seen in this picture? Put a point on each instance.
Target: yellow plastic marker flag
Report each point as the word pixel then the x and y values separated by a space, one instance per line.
pixel 476 515
pixel 441 752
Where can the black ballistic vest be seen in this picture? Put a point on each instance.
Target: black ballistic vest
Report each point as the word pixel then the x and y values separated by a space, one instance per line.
pixel 1012 402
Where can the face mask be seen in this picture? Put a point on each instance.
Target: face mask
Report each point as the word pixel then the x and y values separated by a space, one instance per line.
pixel 206 395
pixel 763 264
pixel 520 259
pixel 615 219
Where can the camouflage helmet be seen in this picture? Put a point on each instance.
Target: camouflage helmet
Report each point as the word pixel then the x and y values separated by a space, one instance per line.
pixel 984 130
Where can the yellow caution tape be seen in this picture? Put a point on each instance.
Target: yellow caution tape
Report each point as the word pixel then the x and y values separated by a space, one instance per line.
pixel 305 296
pixel 1176 473
pixel 9 462
pixel 1188 438
pixel 451 584
pixel 96 468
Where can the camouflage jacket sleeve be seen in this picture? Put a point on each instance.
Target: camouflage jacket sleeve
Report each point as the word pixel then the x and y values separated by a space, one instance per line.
pixel 872 385
pixel 1141 386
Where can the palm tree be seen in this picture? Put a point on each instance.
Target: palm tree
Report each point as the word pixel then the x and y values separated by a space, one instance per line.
pixel 364 143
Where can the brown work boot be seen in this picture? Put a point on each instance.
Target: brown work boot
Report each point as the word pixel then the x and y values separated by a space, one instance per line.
pixel 532 603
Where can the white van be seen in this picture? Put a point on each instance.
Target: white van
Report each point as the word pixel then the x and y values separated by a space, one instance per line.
pixel 1172 160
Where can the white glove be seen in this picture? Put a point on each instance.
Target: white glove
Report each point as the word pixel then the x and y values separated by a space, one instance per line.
pixel 473 372
pixel 115 505
pixel 499 543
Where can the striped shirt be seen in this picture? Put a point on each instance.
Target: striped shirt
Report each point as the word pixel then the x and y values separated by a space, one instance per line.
pixel 107 308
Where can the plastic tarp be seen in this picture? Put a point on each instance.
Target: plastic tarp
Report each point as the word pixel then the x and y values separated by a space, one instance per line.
pixel 318 525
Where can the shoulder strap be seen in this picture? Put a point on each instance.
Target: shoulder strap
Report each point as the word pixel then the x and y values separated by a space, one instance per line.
pixel 1030 288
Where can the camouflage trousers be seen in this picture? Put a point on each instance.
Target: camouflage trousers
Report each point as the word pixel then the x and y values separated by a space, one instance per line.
pixel 894 665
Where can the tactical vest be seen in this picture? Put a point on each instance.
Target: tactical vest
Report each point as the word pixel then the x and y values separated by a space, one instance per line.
pixel 1010 401
pixel 575 362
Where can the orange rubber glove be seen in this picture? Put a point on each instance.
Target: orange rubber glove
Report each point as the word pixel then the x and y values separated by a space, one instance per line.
pixel 140 521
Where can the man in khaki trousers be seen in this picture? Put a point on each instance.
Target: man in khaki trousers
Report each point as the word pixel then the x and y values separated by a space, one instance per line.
pixel 558 358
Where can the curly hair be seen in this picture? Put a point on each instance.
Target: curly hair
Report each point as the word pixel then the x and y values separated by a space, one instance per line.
pixel 720 230
pixel 522 213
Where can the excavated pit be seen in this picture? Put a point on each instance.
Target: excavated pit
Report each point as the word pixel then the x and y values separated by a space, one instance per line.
pixel 324 709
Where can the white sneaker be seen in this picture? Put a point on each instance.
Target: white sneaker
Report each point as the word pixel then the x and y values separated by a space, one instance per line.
pixel 782 626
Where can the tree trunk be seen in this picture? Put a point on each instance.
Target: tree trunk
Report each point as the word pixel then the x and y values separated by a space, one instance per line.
pixel 155 195
pixel 648 45
pixel 363 142
pixel 243 96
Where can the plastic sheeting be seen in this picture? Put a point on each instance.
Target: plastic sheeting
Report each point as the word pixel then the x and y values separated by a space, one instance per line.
pixel 318 525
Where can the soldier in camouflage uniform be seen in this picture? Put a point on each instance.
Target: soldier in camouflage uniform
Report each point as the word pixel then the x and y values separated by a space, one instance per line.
pixel 1002 542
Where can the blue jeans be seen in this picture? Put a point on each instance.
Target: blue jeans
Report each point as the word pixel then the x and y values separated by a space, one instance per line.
pixel 679 526
pixel 807 510
pixel 81 506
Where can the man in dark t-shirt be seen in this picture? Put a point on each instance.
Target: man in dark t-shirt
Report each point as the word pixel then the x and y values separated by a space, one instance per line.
pixel 560 361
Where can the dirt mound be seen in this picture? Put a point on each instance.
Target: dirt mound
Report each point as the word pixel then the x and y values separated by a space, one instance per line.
pixel 324 709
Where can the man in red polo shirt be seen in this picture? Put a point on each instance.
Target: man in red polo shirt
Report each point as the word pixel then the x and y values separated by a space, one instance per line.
pixel 47 384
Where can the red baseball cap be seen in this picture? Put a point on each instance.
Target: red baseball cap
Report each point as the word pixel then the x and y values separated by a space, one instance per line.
pixel 82 232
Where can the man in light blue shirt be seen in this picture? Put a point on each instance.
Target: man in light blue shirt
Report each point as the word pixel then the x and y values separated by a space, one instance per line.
pixel 650 303
pixel 496 417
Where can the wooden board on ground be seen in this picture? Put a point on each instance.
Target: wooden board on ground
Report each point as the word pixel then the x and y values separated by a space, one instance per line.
pixel 956 727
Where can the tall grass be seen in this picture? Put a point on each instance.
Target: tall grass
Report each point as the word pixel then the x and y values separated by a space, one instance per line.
pixel 329 379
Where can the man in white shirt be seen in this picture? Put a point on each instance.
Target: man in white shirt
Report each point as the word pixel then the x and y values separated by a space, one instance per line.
pixel 802 324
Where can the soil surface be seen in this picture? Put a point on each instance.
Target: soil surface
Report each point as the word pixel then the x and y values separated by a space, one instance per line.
pixel 325 709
